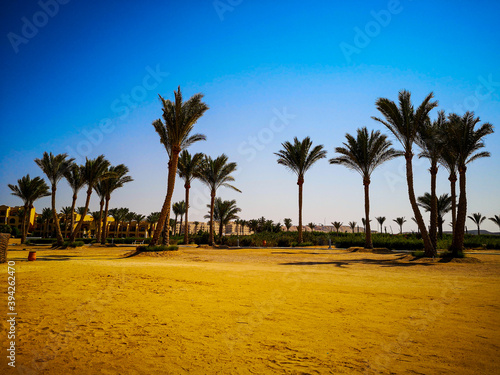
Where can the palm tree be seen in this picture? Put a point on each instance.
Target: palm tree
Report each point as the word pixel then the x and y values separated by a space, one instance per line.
pixel 363 154
pixel 400 221
pixel 478 219
pixel 178 122
pixel 46 216
pixel 188 169
pixel 96 217
pixel 404 122
pixel 253 225
pixel 288 223
pixel 129 218
pixel 117 177
pixel 496 219
pixel 138 219
pixel 311 226
pixel 431 141
pixel 29 190
pixel 443 207
pixel 224 212
pixel 299 157
pixel 54 167
pixel 100 189
pixel 93 171
pixel 176 208
pixel 196 223
pixel 464 141
pixel 73 176
pixel 216 173
pixel 337 225
pixel 152 219
pixel 449 160
pixel 352 224
pixel 380 220
pixel 67 213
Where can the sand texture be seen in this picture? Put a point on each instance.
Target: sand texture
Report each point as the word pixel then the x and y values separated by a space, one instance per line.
pixel 252 311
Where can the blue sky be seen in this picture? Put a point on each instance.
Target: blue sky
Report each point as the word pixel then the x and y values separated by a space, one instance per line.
pixel 83 78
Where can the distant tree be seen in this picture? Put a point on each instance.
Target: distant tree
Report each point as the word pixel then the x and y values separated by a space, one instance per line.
pixel 337 225
pixel 29 190
pixel 224 212
pixel 288 223
pixel 400 221
pixel 152 219
pixel 196 223
pixel 496 220
pixel 311 226
pixel 299 158
pixel 443 207
pixel 478 219
pixel 380 220
pixel 46 217
pixel 67 213
pixel 352 224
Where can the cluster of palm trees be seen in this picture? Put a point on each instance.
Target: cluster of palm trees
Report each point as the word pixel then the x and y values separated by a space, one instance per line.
pixel 450 141
pixel 478 219
pixel 96 174
pixel 174 130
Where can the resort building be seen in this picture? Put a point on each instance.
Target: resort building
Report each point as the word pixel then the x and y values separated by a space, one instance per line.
pixel 13 216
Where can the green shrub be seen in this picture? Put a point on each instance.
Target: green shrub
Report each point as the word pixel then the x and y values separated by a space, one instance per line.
pixel 158 248
pixel 449 254
pixel 74 244
pixel 418 253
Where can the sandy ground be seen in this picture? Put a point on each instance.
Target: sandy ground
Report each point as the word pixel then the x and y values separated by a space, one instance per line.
pixel 206 311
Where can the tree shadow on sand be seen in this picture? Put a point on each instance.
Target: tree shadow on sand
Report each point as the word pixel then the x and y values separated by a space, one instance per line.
pixel 398 262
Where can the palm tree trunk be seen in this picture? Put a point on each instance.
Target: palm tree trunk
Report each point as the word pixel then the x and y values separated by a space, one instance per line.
pixel 478 230
pixel 72 222
pixel 300 182
pixel 459 232
pixel 212 204
pixel 440 228
pixel 429 250
pixel 186 230
pixel 221 230
pixel 99 225
pixel 165 210
pixel 453 182
pixel 368 231
pixel 434 211
pixel 23 224
pixel 104 230
pixel 82 218
pixel 59 237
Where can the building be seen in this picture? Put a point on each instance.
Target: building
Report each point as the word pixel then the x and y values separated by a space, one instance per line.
pixel 13 216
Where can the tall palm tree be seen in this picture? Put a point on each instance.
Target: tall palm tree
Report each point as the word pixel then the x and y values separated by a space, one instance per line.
pixel 188 169
pixel 100 189
pixel 288 223
pixel 404 122
pixel 93 171
pixel 496 220
pixel 337 225
pixel 182 212
pixel 380 220
pixel 400 221
pixel 443 207
pixel 363 154
pixel 224 212
pixel 215 173
pixel 29 190
pixel 139 218
pixel 464 142
pixel 178 121
pixel 431 140
pixel 299 157
pixel 449 161
pixel 117 177
pixel 54 167
pixel 478 219
pixel 73 176
pixel 352 224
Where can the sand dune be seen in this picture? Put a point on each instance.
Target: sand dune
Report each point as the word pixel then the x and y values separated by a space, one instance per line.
pixel 203 311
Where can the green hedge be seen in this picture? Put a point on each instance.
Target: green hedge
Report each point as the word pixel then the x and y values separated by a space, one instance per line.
pixel 158 248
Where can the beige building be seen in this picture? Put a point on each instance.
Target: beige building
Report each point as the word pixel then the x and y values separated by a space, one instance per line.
pixel 10 216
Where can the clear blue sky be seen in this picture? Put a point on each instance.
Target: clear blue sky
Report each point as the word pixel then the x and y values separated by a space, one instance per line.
pixel 83 78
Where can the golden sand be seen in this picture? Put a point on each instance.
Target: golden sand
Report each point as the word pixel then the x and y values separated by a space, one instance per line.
pixel 207 311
